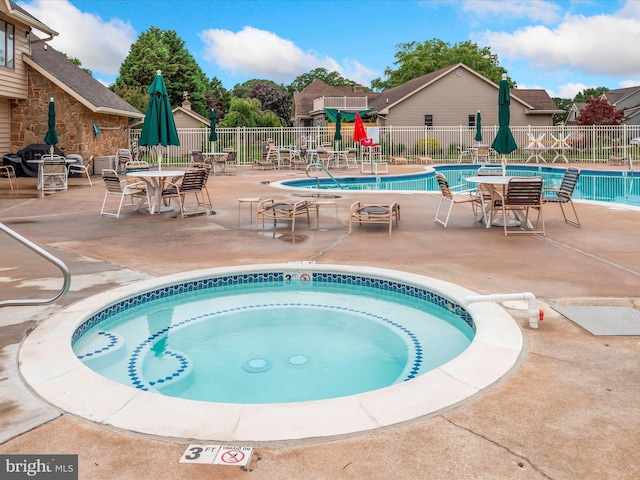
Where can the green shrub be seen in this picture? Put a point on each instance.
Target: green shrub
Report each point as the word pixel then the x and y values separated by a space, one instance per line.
pixel 428 146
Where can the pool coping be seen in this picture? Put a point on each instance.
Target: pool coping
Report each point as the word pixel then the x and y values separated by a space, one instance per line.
pixel 67 383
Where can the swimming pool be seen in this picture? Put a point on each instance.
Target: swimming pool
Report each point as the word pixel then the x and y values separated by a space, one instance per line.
pixel 63 380
pixel 276 337
pixel 593 185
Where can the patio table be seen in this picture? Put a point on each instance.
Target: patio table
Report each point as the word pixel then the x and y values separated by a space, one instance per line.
pixel 493 183
pixel 156 181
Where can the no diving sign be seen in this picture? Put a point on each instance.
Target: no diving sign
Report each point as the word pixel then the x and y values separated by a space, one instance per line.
pixel 217 455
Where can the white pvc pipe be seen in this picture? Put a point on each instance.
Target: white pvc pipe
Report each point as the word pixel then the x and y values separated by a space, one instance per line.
pixel 532 311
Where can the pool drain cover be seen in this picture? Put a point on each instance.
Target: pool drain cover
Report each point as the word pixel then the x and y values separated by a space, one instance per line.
pixel 298 361
pixel 257 365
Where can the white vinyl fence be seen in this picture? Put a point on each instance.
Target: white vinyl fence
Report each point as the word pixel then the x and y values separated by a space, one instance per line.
pixel 586 143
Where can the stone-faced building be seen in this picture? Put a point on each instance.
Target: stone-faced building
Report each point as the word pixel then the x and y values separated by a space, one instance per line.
pixel 32 72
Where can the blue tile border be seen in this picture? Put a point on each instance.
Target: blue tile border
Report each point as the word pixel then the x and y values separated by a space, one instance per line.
pixel 262 277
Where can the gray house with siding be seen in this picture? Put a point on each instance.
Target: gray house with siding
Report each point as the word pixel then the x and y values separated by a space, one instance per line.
pixel 450 96
pixel 453 95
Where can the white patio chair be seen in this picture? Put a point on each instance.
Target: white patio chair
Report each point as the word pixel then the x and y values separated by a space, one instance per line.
pixel 121 189
pixel 53 174
pixel 454 196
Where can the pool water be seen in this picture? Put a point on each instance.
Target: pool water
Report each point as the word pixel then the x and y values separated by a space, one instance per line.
pixel 273 342
pixel 594 185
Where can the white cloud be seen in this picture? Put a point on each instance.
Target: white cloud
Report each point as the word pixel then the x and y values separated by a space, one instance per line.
pixel 262 54
pixel 536 10
pixel 596 45
pixel 570 90
pixel 101 46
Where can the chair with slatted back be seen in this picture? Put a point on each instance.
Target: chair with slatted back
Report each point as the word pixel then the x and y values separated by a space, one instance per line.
pixel 455 195
pixel 123 190
pixel 193 182
pixel 53 174
pixel 523 194
pixel 198 160
pixel 564 194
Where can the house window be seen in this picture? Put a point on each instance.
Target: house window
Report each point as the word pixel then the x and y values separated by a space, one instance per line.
pixel 428 120
pixel 472 120
pixel 6 45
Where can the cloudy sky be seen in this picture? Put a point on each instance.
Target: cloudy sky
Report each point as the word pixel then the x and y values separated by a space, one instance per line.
pixel 561 46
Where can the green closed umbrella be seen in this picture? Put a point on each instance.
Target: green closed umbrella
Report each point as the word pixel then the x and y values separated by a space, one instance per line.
pixel 51 138
pixel 337 136
pixel 478 137
pixel 504 142
pixel 159 127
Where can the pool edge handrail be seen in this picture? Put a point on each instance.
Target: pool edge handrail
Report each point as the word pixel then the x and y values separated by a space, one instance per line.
pixel 47 256
pixel 323 168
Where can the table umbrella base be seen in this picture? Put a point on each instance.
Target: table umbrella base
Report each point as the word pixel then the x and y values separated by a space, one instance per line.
pixel 511 222
pixel 162 209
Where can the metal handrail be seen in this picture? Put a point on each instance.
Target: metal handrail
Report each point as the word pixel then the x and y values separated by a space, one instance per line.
pixel 325 171
pixel 47 256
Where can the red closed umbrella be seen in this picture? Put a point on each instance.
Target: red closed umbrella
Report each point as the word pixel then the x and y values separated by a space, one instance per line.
pixel 359 133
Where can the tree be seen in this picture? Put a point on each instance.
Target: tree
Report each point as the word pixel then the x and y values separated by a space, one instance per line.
pixel 273 97
pixel 218 97
pixel 163 50
pixel 415 59
pixel 564 104
pixel 589 93
pixel 247 112
pixel 76 61
pixel 333 79
pixel 598 111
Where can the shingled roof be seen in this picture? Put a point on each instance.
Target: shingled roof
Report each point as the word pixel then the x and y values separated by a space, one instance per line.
pixel 537 101
pixel 615 96
pixel 78 83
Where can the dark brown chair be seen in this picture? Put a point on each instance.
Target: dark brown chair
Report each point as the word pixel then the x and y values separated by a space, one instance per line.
pixel 193 182
pixel 523 195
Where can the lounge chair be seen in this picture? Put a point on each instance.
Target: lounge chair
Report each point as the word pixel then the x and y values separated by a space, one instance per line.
pixel 193 182
pixel 270 209
pixel 454 195
pixel 267 158
pixel 564 194
pixel 123 190
pixel 523 194
pixel 374 213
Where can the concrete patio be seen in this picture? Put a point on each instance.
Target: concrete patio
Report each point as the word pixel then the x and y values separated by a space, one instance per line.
pixel 569 410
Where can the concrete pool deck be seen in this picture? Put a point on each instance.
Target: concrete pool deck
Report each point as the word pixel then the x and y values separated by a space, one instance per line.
pixel 569 410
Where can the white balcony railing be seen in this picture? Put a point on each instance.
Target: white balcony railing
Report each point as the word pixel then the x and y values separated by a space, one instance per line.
pixel 340 103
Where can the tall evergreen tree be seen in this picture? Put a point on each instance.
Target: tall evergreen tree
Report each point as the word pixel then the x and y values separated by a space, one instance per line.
pixel 163 50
